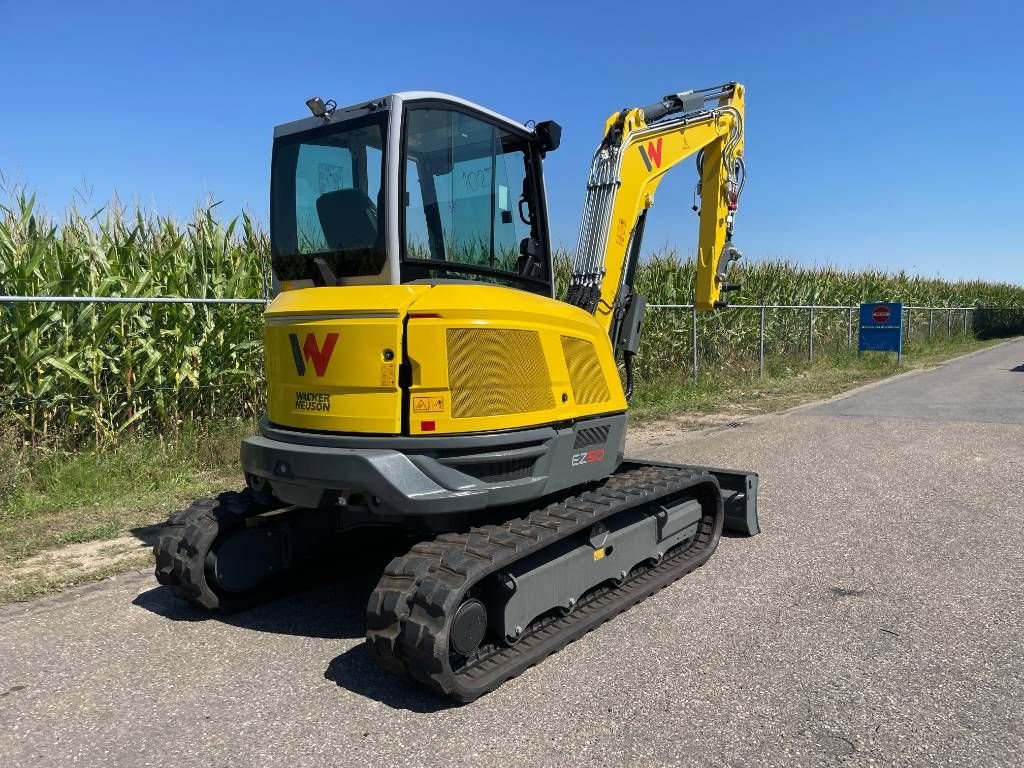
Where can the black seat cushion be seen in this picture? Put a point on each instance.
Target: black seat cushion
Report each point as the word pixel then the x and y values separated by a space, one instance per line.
pixel 348 219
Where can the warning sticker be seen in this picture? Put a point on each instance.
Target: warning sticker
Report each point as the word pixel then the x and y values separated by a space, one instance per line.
pixel 621 232
pixel 387 374
pixel 428 405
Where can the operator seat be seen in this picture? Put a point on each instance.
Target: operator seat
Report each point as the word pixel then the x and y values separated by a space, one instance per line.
pixel 348 219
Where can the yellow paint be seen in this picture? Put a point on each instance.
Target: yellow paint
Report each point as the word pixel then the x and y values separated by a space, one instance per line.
pixel 414 325
pixel 368 321
pixel 637 185
pixel 492 307
pixel 364 394
pixel 350 299
pixel 599 553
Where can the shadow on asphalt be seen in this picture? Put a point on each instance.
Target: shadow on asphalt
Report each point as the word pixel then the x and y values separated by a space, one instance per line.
pixel 327 600
pixel 355 671
pixel 329 603
pixel 332 611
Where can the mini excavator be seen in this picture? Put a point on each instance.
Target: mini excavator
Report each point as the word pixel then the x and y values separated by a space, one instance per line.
pixel 422 375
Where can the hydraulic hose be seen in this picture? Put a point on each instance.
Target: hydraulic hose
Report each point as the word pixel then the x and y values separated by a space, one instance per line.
pixel 627 360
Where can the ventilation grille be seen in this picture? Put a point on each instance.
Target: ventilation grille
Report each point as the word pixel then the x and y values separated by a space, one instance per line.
pixel 498 471
pixel 585 374
pixel 591 436
pixel 494 372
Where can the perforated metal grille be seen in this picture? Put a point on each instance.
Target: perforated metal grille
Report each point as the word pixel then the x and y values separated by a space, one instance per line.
pixel 496 371
pixel 591 436
pixel 585 374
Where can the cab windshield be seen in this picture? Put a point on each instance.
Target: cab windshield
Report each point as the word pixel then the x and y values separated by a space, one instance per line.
pixel 326 200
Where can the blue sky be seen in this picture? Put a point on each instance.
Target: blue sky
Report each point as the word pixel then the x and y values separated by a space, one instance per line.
pixel 882 134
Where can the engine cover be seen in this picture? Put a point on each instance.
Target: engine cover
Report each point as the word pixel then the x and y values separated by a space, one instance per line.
pixel 445 358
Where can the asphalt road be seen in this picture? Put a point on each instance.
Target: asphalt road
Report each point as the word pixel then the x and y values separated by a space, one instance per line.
pixel 879 619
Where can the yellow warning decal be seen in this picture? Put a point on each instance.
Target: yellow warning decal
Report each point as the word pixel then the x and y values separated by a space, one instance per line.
pixel 599 553
pixel 387 374
pixel 428 405
pixel 621 232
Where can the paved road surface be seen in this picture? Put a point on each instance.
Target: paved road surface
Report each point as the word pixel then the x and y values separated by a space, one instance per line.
pixel 879 619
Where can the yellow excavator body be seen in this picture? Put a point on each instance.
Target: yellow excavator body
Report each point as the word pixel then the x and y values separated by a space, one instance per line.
pixel 480 358
pixel 423 378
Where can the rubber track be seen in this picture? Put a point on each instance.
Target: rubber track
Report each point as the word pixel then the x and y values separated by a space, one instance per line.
pixel 186 539
pixel 408 612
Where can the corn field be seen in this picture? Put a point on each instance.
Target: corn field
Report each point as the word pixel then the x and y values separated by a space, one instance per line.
pixel 84 374
pixel 75 372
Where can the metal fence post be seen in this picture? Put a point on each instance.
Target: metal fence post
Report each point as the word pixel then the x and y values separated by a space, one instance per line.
pixel 849 328
pixel 949 324
pixel 965 321
pixel 929 322
pixel 908 323
pixel 810 334
pixel 760 344
pixel 695 343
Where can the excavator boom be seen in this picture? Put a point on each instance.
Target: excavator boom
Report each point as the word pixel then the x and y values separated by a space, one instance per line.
pixel 640 146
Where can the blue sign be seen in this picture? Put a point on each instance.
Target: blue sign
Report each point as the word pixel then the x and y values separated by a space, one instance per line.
pixel 881 328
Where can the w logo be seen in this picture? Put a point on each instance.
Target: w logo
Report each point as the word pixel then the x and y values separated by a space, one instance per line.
pixel 312 352
pixel 651 154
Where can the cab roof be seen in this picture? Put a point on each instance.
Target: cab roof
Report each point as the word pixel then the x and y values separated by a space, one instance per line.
pixel 390 102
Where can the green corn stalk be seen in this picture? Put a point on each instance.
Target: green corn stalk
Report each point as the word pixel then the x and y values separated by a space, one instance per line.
pixel 86 374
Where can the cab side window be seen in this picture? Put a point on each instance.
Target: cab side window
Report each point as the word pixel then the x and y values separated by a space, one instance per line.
pixel 463 181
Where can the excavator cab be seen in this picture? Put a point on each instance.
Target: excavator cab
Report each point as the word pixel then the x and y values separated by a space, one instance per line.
pixel 412 187
pixel 413 278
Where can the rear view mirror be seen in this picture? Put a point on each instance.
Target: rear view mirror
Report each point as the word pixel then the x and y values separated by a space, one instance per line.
pixel 550 134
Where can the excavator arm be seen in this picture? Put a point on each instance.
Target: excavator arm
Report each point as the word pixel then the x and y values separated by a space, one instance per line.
pixel 639 147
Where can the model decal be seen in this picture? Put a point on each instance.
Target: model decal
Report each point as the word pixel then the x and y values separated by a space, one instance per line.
pixel 587 457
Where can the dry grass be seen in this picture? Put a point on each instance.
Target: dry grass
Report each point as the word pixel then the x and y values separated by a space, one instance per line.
pixel 63 499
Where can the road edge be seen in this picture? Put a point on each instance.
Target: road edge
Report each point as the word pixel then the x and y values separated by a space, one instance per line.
pixel 73 593
pixel 888 379
pixel 762 417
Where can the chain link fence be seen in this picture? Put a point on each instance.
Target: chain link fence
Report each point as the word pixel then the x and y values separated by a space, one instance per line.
pixel 93 367
pixel 812 327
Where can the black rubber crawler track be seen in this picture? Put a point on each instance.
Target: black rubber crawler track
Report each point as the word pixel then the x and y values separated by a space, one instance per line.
pixel 186 539
pixel 409 612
